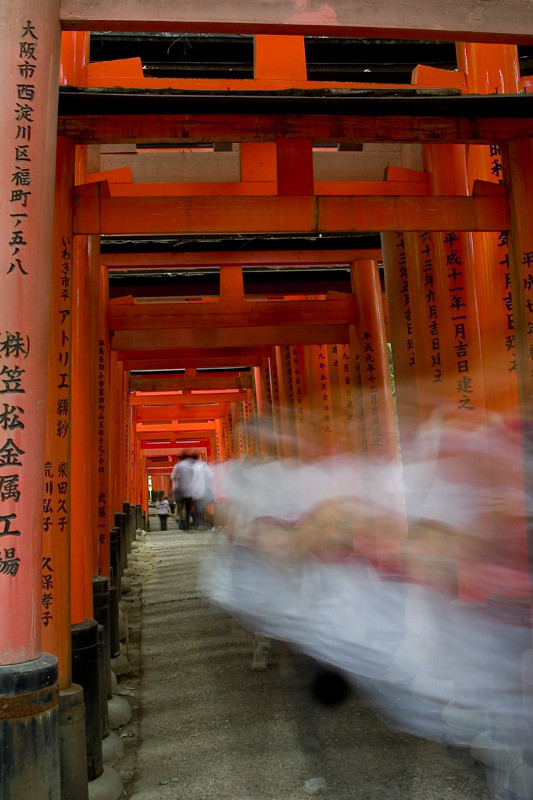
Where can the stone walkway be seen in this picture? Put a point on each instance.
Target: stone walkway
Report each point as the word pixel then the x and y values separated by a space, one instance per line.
pixel 207 726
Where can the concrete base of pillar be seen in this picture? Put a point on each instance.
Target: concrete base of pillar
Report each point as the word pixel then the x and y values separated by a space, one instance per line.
pixel 120 665
pixel 72 743
pixel 112 749
pixel 119 711
pixel 107 786
pixel 29 730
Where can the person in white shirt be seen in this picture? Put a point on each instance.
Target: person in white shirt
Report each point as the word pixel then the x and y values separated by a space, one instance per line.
pixel 202 491
pixel 163 509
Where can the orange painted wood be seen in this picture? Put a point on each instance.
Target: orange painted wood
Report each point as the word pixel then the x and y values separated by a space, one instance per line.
pixel 103 455
pixel 279 58
pixel 490 69
pixel 447 19
pixel 95 213
pixel 74 63
pixel 231 283
pixel 123 188
pixel 377 403
pixel 321 397
pixel 238 337
pixel 83 495
pixel 402 309
pixel 455 279
pixel 26 222
pixel 149 399
pixel 55 581
pixel 183 129
pixel 294 167
pixel 174 382
pixel 143 361
pixel 518 164
pixel 293 258
pixel 229 312
pixel 165 414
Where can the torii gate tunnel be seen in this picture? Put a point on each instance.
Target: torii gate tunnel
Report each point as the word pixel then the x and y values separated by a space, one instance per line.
pixel 316 238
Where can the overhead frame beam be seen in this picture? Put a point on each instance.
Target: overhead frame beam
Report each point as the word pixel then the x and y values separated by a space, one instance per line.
pixel 230 314
pixel 107 128
pixel 452 20
pixel 96 214
pixel 247 258
pixel 157 340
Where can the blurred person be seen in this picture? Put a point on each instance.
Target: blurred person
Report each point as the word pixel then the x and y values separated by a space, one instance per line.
pixel 201 491
pixel 163 510
pixel 182 482
pixel 438 639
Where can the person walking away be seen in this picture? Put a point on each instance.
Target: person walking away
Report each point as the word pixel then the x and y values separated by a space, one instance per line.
pixel 202 491
pixel 163 509
pixel 182 477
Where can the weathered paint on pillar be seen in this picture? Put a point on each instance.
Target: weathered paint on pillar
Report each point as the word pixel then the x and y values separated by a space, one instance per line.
pixel 104 466
pixel 455 280
pixel 321 400
pixel 56 519
pixel 343 394
pixel 82 493
pixel 377 399
pixel 401 328
pixel 492 69
pixel 29 57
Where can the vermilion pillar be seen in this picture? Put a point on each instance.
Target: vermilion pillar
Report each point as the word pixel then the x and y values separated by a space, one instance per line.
pixel 491 69
pixel 29 61
pixel 29 56
pixel 82 487
pixel 321 397
pixel 377 405
pixel 56 504
pixel 104 509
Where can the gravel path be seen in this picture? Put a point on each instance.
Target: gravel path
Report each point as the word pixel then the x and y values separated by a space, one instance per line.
pixel 207 726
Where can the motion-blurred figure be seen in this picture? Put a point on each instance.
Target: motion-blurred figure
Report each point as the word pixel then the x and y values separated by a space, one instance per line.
pixel 436 624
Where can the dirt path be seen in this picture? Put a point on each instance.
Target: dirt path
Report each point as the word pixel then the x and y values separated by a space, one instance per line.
pixel 208 727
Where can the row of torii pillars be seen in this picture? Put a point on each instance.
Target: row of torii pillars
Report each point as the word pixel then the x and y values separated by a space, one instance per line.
pixel 68 460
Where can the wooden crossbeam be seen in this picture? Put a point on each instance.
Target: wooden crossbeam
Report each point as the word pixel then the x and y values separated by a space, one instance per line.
pixel 97 214
pixel 157 340
pixel 168 399
pixel 169 382
pixel 178 316
pixel 246 258
pixel 179 413
pixel 184 129
pixel 453 20
pixel 144 360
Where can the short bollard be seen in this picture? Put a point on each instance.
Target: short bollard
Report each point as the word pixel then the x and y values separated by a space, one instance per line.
pixel 85 672
pixel 101 612
pixel 74 778
pixel 29 730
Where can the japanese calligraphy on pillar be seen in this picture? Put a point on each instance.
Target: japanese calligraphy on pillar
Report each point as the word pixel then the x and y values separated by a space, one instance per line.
pixel 56 497
pixel 459 318
pixel 102 409
pixel 427 266
pixel 404 294
pixel 14 348
pixel 325 394
pixel 22 150
pixel 358 388
pixel 369 368
pixel 297 386
pixel 496 171
pixel 288 373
